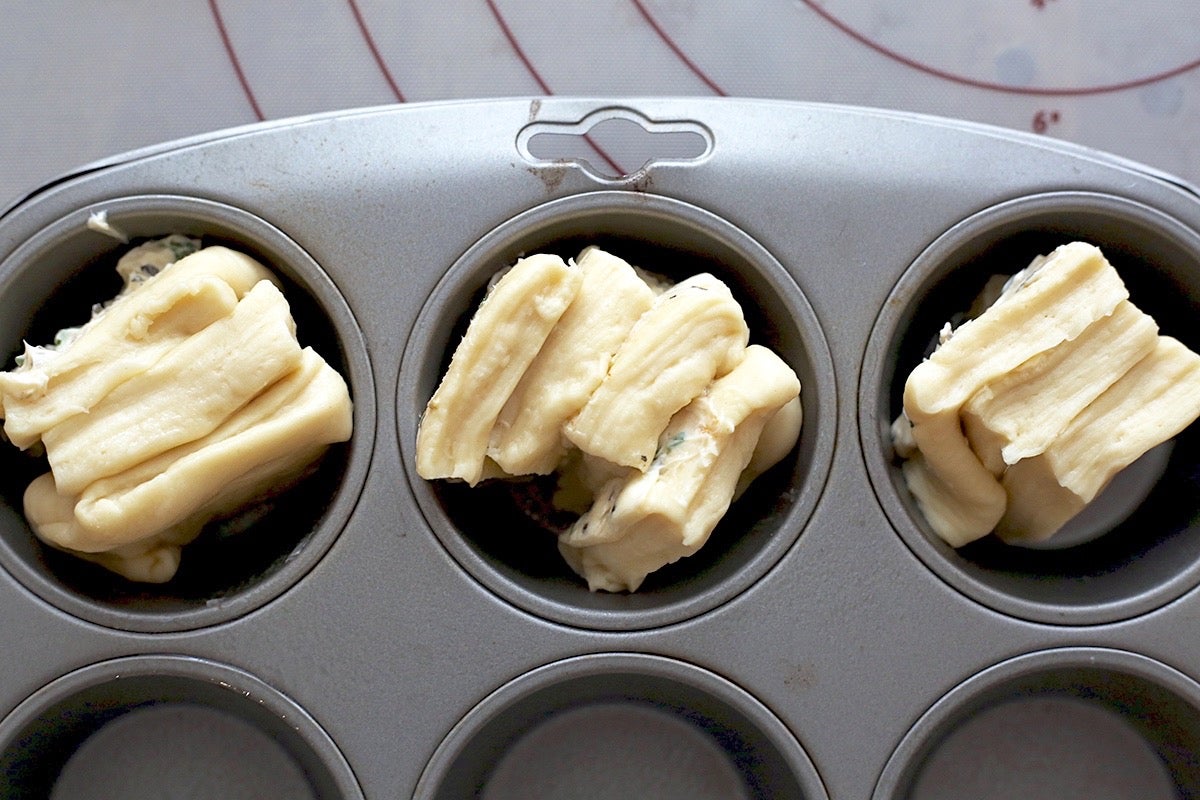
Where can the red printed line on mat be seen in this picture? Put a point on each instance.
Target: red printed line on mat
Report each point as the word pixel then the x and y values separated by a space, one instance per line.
pixel 676 49
pixel 375 54
pixel 537 77
pixel 233 59
pixel 516 46
pixel 928 69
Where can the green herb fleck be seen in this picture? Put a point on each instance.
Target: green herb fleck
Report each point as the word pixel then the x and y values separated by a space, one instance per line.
pixel 181 246
pixel 670 444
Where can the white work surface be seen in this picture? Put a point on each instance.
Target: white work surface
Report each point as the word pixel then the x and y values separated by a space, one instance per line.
pixel 91 78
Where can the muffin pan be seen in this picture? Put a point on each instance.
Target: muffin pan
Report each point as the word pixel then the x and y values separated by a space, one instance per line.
pixel 376 635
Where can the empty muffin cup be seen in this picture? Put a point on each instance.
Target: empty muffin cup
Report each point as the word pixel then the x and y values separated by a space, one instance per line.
pixel 616 725
pixel 1137 545
pixel 51 281
pixel 485 528
pixel 1072 722
pixel 167 726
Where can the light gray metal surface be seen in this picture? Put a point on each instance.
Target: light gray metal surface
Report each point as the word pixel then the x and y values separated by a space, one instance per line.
pixel 392 635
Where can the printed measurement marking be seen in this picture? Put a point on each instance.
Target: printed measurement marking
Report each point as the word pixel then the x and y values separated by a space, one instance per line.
pixel 676 49
pixel 818 7
pixel 227 43
pixel 365 30
pixel 1043 120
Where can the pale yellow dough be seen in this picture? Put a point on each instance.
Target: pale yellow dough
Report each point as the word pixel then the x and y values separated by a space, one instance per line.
pixel 643 396
pixel 527 437
pixel 692 333
pixel 649 519
pixel 185 399
pixel 183 396
pixel 1061 297
pixel 130 336
pixel 502 340
pixel 1020 418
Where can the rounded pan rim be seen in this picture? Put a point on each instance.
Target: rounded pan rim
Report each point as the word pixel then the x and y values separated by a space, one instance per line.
pixel 935 720
pixel 583 206
pixel 300 267
pixel 241 688
pixel 873 407
pixel 602 664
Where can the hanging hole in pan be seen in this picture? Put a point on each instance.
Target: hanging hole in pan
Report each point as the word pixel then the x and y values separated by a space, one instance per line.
pixel 614 143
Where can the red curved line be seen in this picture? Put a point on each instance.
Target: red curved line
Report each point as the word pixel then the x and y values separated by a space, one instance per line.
pixel 233 59
pixel 375 54
pixel 537 77
pixel 677 50
pixel 516 46
pixel 1080 91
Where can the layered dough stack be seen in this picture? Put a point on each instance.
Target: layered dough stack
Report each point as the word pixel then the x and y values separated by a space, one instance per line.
pixel 1022 415
pixel 644 396
pixel 184 398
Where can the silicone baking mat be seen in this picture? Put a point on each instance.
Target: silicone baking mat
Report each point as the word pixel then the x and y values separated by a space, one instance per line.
pixel 90 78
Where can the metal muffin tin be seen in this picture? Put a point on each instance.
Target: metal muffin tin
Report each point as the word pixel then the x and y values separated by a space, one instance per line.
pixel 380 636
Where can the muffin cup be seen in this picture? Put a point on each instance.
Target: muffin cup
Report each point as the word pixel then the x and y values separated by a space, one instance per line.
pixel 1137 546
pixel 51 281
pixel 619 724
pixel 483 528
pixel 163 726
pixel 1086 722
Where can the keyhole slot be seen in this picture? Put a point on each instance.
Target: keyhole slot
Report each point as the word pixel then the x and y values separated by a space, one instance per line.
pixel 614 143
